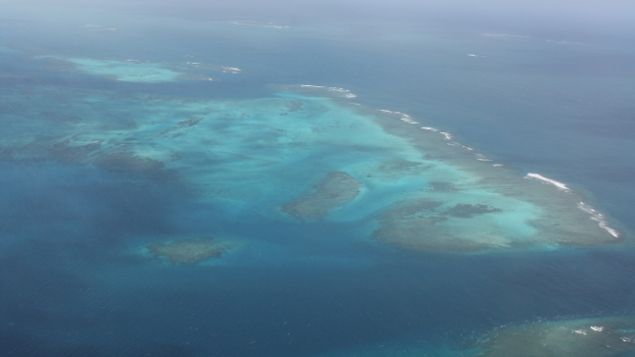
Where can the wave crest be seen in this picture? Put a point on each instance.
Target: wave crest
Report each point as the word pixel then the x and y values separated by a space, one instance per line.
pixel 560 185
pixel 597 216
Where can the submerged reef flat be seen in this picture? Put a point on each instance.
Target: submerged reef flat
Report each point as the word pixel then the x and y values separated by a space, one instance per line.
pixel 397 168
pixel 597 337
pixel 137 71
pixel 334 191
pixel 293 153
pixel 481 206
pixel 125 71
pixel 189 251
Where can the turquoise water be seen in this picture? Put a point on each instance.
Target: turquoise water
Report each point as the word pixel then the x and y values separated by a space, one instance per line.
pixel 127 71
pixel 438 240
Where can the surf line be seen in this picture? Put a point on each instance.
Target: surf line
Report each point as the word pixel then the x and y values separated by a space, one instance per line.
pixel 560 185
pixel 594 214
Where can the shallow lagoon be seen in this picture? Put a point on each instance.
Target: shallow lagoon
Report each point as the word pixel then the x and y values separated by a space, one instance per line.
pixel 127 71
pixel 398 183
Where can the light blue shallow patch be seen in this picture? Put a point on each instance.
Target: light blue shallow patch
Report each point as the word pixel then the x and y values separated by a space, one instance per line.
pixel 597 337
pixel 249 158
pixel 126 71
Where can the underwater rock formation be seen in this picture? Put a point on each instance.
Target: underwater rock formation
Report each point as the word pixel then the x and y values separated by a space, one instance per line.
pixel 335 190
pixel 189 251
pixel 130 163
pixel 466 210
pixel 424 224
pixel 598 337
pixel 442 186
pixel 402 167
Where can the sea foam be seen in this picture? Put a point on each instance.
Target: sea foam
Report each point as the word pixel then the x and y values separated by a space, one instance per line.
pixel 594 214
pixel 343 92
pixel 481 157
pixel 446 135
pixel 598 217
pixel 406 118
pixel 231 70
pixel 539 177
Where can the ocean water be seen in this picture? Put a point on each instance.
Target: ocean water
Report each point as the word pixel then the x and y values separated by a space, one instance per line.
pixel 360 189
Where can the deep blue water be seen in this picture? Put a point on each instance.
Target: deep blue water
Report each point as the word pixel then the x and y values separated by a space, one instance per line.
pixel 562 109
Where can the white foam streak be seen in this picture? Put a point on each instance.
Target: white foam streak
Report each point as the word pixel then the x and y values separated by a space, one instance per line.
pixel 229 69
pixel 343 92
pixel 594 214
pixel 599 218
pixel 481 157
pixel 539 177
pixel 404 117
pixel 446 135
pixel 596 328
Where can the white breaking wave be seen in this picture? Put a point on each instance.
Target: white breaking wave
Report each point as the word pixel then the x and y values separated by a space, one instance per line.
pixel 599 218
pixel 446 135
pixel 261 24
pixel 596 328
pixel 343 92
pixel 232 70
pixel 481 157
pixel 311 86
pixel 404 117
pixel 594 214
pixel 539 177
